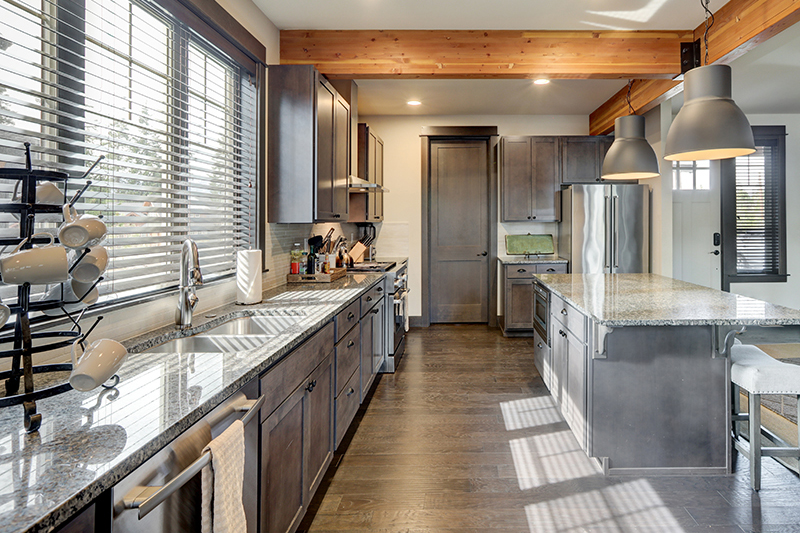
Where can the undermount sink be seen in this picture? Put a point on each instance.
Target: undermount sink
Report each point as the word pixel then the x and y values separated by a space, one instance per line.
pixel 268 325
pixel 204 343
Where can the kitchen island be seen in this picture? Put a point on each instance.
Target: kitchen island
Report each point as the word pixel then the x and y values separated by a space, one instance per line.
pixel 89 441
pixel 637 364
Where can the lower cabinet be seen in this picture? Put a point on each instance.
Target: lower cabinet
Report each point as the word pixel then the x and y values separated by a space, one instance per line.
pixel 542 358
pixel 372 350
pixel 518 296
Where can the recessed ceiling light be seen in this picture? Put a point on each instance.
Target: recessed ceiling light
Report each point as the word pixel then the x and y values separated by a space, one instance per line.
pixel 541 81
pixel 414 102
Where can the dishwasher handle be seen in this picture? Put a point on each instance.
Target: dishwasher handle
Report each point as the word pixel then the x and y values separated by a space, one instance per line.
pixel 148 498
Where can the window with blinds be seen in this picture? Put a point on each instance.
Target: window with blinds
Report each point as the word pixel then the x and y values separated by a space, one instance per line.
pixel 174 117
pixel 754 210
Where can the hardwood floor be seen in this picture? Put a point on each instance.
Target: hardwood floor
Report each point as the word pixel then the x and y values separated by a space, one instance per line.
pixel 464 438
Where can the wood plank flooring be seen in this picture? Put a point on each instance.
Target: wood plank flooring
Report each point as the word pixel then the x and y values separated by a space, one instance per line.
pixel 464 438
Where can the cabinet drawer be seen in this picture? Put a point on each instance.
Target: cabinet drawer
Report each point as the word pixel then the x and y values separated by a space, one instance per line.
pixel 570 317
pixel 371 297
pixel 348 356
pixel 279 381
pixel 346 406
pixel 520 271
pixel 346 319
pixel 551 268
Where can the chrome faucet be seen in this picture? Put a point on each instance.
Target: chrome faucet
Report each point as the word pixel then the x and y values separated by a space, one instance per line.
pixel 191 277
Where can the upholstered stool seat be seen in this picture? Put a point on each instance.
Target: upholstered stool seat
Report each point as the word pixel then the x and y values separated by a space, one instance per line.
pixel 758 373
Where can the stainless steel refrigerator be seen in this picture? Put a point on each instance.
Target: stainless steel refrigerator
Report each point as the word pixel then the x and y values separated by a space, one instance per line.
pixel 605 228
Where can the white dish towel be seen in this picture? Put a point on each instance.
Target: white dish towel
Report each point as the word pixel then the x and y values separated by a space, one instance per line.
pixel 222 510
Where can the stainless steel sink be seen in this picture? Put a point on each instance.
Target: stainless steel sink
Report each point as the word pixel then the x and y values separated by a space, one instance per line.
pixel 204 343
pixel 256 325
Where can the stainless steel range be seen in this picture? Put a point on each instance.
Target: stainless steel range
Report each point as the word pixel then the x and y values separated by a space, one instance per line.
pixel 395 306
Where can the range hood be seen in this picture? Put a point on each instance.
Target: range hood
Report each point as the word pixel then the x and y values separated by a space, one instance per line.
pixel 361 185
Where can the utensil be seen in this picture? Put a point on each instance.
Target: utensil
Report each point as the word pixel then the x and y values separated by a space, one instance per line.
pixel 45 264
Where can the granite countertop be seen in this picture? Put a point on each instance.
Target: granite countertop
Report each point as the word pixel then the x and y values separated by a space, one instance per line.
pixel 615 300
pixel 532 260
pixel 89 441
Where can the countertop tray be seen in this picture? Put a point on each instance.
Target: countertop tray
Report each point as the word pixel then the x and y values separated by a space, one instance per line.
pixel 529 244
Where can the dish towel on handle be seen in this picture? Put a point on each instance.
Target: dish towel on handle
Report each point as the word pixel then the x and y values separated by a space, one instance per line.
pixel 222 510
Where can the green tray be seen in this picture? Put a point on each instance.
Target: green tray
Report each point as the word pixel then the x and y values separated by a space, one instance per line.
pixel 529 244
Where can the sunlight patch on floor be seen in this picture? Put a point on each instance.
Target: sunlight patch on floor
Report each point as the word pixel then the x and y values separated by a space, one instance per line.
pixel 617 508
pixel 550 458
pixel 530 412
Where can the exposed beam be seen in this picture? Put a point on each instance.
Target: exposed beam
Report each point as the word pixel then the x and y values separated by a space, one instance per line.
pixel 739 26
pixel 355 54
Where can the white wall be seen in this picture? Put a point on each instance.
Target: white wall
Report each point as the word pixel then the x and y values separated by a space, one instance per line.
pixel 403 178
pixel 788 293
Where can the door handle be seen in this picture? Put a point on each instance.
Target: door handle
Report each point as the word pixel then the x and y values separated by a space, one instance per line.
pixel 715 252
pixel 485 253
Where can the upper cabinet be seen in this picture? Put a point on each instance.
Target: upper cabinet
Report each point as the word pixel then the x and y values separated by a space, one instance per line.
pixel 529 170
pixel 368 207
pixel 582 158
pixel 308 143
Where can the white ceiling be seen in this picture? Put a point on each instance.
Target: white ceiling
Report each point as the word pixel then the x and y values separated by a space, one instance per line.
pixel 764 79
pixel 483 15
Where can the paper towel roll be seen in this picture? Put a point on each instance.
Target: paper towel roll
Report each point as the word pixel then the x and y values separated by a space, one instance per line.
pixel 248 276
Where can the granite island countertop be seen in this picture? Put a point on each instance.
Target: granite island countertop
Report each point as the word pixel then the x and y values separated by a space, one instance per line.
pixel 616 300
pixel 89 441
pixel 530 260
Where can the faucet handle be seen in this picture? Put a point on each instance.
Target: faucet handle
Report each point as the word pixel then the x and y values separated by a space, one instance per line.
pixel 193 299
pixel 197 276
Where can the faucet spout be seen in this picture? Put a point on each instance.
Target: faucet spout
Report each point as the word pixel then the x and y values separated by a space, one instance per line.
pixel 190 277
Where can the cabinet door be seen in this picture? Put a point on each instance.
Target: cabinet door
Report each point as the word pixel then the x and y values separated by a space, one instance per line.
pixel 517 179
pixel 541 358
pixel 326 97
pixel 341 161
pixel 519 304
pixel 320 440
pixel 575 397
pixel 544 163
pixel 378 213
pixel 558 377
pixel 367 353
pixel 579 159
pixel 283 444
pixel 378 336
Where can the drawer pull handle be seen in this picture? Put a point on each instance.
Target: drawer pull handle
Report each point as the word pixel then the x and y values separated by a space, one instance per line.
pixel 311 385
pixel 521 270
pixel 350 316
pixel 350 391
pixel 369 298
pixel 551 269
pixel 379 289
pixel 376 310
pixel 564 312
pixel 351 344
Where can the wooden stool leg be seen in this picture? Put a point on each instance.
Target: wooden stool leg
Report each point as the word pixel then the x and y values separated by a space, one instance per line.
pixel 755 441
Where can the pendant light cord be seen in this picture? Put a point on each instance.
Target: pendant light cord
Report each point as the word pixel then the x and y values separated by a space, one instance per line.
pixel 705 3
pixel 630 86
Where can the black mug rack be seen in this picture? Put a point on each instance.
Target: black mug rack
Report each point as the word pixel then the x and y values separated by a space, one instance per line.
pixel 21 354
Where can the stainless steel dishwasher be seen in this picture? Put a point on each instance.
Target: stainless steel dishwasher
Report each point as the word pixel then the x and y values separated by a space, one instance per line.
pixel 163 495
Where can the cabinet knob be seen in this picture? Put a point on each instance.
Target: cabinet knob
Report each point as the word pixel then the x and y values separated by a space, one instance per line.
pixel 350 316
pixel 529 218
pixel 351 344
pixel 311 385
pixel 534 217
pixel 564 312
pixel 337 216
pixel 379 289
pixel 369 298
pixel 540 345
pixel 350 391
pixel 484 254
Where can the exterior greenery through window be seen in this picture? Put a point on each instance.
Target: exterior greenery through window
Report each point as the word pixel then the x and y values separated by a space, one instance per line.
pixel 174 117
pixel 754 211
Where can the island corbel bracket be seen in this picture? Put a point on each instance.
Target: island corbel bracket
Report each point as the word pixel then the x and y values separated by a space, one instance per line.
pixel 601 334
pixel 725 343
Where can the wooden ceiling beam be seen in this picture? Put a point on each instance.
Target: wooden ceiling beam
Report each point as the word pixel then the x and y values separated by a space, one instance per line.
pixel 739 26
pixel 445 54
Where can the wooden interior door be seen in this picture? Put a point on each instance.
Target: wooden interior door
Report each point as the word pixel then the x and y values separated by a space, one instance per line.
pixel 459 231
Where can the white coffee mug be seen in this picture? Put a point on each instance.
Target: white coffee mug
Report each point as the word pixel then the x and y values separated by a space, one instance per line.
pixel 5 312
pixel 45 264
pixel 91 266
pixel 79 231
pixel 46 193
pixel 93 367
pixel 73 290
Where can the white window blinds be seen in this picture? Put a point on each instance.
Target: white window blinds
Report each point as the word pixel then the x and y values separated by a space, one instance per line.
pixel 174 117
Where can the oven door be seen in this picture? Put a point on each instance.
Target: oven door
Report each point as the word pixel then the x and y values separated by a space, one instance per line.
pixel 541 311
pixel 400 315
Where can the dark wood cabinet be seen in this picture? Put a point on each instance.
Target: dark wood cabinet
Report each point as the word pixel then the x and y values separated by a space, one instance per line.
pixel 368 206
pixel 529 173
pixel 308 144
pixel 582 158
pixel 517 280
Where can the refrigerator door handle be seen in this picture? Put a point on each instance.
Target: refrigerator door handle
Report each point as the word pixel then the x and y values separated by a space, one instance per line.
pixel 606 220
pixel 615 209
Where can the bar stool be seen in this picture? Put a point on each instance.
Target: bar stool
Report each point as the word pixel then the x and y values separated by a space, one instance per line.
pixel 758 373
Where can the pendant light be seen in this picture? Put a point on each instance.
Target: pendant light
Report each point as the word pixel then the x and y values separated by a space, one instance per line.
pixel 630 157
pixel 709 125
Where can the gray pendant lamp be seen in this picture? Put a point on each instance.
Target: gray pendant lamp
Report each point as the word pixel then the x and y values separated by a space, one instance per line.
pixel 709 125
pixel 630 157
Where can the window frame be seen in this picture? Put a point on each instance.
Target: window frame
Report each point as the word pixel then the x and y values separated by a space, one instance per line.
pixel 728 190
